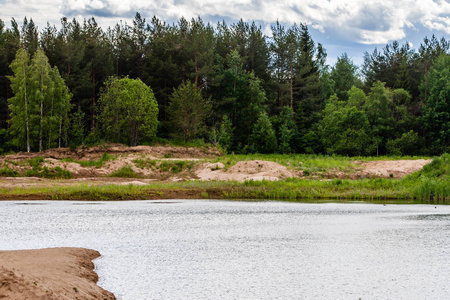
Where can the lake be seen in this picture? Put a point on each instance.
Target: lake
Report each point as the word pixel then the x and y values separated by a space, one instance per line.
pixel 199 249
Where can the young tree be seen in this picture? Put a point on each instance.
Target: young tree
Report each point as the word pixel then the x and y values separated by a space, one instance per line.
pixel 128 111
pixel 225 136
pixel 19 104
pixel 188 111
pixel 263 138
pixel 288 135
pixel 42 86
pixel 39 109
pixel 377 110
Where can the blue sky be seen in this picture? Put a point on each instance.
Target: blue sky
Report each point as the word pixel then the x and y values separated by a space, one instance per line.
pixel 351 26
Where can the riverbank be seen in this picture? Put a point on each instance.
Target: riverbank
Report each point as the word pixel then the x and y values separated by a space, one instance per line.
pixel 53 273
pixel 117 172
pixel 295 189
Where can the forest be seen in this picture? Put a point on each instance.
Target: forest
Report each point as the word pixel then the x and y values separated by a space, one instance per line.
pixel 231 86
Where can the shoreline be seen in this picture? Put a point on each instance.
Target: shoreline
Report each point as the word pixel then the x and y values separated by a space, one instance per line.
pixel 50 273
pixel 370 189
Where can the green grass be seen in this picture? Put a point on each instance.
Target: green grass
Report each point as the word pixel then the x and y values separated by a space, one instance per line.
pixel 174 166
pixel 145 163
pixel 8 172
pixel 428 185
pixel 91 163
pixel 35 162
pixel 52 173
pixel 125 172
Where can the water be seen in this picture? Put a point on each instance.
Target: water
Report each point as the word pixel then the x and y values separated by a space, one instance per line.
pixel 246 250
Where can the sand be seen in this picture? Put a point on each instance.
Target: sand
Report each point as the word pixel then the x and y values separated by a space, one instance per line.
pixel 53 273
pixel 255 170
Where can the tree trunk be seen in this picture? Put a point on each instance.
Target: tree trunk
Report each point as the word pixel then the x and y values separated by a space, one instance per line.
pixel 50 127
pixel 291 86
pixel 93 100
pixel 196 69
pixel 42 112
pixel 26 109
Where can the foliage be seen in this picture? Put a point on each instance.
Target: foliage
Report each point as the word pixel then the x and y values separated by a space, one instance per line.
pixel 188 111
pixel 377 110
pixel 344 76
pixel 438 168
pixel 76 128
pixel 91 163
pixel 39 108
pixel 125 172
pixel 436 94
pixel 8 172
pixel 45 172
pixel 57 92
pixel 287 131
pixel 344 130
pixel 128 111
pixel 263 138
pixel 225 136
pixel 408 144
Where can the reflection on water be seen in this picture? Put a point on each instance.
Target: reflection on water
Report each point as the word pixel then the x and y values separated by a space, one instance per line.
pixel 246 250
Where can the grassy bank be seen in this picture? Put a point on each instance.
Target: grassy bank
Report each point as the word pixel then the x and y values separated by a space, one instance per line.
pixel 431 184
pixel 408 189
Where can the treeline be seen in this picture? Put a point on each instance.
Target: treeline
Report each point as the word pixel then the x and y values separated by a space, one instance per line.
pixel 225 84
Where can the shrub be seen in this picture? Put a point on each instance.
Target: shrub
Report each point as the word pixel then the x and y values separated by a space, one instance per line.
pixel 125 172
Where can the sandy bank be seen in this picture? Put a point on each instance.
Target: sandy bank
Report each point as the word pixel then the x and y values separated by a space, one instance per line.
pixel 55 273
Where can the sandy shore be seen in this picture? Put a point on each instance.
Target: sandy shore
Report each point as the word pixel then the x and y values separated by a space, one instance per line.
pixel 54 273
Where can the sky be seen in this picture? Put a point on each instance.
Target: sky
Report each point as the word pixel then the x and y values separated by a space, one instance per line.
pixel 350 26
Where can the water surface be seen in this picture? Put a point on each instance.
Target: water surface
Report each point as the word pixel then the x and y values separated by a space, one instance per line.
pixel 246 250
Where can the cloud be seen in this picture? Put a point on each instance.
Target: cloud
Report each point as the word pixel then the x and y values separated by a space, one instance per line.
pixel 366 22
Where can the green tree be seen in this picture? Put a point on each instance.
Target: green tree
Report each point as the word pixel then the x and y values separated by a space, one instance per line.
pixel 344 129
pixel 377 110
pixel 40 106
pixel 356 97
pixel 42 86
pixel 225 136
pixel 436 95
pixel 76 128
pixel 408 144
pixel 128 111
pixel 188 111
pixel 263 138
pixel 19 105
pixel 288 135
pixel 344 76
pixel 9 44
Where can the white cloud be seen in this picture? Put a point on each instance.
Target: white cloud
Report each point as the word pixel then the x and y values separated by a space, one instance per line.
pixel 367 22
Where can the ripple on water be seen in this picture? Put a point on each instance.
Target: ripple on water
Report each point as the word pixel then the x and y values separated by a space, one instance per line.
pixel 246 250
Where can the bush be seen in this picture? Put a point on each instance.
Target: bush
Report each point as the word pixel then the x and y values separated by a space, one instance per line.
pixel 408 144
pixel 125 172
pixel 7 172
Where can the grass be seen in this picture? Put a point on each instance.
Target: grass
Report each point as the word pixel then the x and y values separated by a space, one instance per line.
pixel 433 181
pixel 174 166
pixel 289 190
pixel 428 185
pixel 125 172
pixel 46 172
pixel 91 163
pixel 8 172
